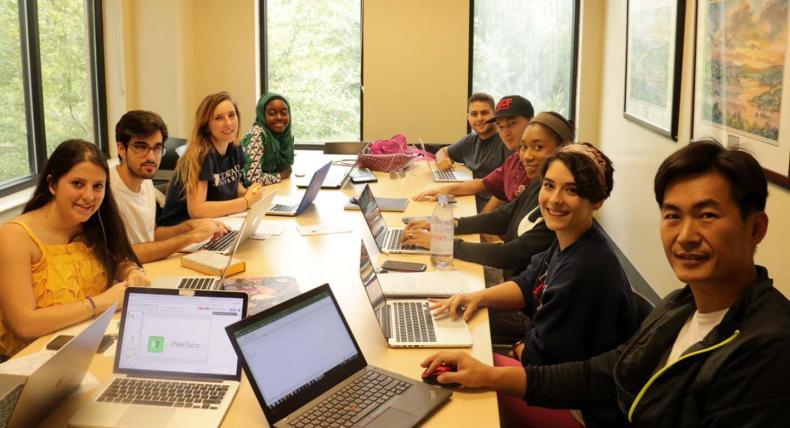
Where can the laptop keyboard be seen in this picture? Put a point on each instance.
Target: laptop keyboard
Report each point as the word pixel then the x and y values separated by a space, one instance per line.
pixel 8 403
pixel 362 173
pixel 164 393
pixel 444 175
pixel 223 243
pixel 197 283
pixel 392 239
pixel 280 208
pixel 352 403
pixel 413 322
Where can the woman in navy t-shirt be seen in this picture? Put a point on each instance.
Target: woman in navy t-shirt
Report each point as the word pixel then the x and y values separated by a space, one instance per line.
pixel 208 177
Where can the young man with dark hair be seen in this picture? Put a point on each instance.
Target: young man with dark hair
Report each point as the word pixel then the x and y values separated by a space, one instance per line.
pixel 511 116
pixel 140 137
pixel 481 150
pixel 713 354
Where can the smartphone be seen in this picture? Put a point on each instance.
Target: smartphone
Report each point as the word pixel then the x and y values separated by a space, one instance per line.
pixel 61 340
pixel 398 266
pixel 407 220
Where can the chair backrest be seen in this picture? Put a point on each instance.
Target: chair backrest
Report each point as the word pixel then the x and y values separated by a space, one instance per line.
pixel 343 147
pixel 171 156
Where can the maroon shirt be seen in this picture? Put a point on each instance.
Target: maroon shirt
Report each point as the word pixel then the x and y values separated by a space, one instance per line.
pixel 507 181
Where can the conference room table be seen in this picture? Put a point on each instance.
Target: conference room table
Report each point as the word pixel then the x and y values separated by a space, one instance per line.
pixel 334 258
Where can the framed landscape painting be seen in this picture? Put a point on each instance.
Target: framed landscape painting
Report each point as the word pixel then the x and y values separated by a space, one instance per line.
pixel 654 56
pixel 741 64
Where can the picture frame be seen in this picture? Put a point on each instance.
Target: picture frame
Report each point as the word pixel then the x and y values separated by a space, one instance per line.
pixel 741 65
pixel 653 65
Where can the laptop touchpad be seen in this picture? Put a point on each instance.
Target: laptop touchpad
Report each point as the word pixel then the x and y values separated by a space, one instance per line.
pixel 393 417
pixel 136 416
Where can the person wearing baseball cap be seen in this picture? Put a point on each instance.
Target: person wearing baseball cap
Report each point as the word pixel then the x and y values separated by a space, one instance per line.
pixel 512 114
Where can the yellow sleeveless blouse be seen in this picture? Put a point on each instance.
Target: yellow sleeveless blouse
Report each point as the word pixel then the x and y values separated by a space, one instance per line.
pixel 65 273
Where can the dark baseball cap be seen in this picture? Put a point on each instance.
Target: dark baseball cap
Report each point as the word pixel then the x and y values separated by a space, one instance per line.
pixel 513 105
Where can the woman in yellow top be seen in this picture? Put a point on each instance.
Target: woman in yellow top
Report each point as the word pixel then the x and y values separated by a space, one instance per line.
pixel 67 257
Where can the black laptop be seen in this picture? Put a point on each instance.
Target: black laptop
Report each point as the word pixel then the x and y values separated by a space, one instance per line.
pixel 306 368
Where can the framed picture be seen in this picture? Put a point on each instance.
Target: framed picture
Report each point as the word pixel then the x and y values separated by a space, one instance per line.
pixel 740 64
pixel 654 57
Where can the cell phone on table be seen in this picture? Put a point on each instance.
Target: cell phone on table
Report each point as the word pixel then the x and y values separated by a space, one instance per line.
pixel 399 266
pixel 61 340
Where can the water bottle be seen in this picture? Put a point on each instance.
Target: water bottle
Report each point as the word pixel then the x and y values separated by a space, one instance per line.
pixel 442 231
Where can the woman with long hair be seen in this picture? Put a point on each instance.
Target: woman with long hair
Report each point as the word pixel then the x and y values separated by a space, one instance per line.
pixel 269 146
pixel 70 259
pixel 575 292
pixel 208 177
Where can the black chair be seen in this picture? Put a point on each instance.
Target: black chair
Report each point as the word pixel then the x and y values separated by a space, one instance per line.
pixel 168 164
pixel 344 147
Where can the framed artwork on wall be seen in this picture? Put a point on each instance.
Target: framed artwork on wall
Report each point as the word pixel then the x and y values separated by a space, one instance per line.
pixel 654 59
pixel 740 65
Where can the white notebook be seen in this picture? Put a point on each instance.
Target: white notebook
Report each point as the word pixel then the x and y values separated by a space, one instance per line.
pixel 423 284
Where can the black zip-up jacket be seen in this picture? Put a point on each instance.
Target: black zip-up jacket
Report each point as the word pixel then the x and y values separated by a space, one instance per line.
pixel 514 255
pixel 738 376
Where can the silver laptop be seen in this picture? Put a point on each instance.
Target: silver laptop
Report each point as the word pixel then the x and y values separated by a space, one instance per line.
pixel 248 227
pixel 59 376
pixel 448 176
pixel 306 369
pixel 174 366
pixel 387 239
pixel 307 198
pixel 10 389
pixel 336 178
pixel 408 323
pixel 228 241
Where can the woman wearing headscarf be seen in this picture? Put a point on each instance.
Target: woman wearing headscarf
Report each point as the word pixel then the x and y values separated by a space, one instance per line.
pixel 269 146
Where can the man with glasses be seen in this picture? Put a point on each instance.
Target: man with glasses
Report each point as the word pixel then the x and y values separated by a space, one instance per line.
pixel 140 137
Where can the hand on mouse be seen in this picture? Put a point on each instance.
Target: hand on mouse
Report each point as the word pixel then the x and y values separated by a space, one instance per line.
pixel 469 372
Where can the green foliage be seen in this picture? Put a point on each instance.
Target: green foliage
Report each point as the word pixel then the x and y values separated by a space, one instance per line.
pixel 524 48
pixel 314 60
pixel 65 79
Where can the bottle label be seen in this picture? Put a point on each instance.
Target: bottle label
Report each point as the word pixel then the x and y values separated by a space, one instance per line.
pixel 442 239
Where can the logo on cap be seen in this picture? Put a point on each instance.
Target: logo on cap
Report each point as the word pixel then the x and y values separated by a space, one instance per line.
pixel 504 104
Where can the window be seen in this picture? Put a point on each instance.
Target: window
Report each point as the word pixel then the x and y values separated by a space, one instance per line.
pixel 312 55
pixel 50 81
pixel 528 48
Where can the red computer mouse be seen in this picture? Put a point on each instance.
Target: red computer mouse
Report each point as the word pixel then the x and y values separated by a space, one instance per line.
pixel 431 379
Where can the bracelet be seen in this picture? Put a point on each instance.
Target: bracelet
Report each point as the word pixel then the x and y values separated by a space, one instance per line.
pixel 89 300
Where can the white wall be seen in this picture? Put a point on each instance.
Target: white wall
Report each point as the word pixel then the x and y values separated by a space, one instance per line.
pixel 631 214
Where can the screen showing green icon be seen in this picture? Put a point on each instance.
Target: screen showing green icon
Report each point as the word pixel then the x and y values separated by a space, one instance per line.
pixel 156 343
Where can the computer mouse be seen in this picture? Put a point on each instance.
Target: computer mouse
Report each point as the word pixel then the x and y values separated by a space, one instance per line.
pixel 431 379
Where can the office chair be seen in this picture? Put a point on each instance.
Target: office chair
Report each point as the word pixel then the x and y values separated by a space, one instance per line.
pixel 168 164
pixel 344 147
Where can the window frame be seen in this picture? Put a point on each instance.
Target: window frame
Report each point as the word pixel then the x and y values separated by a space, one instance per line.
pixel 264 68
pixel 574 60
pixel 33 89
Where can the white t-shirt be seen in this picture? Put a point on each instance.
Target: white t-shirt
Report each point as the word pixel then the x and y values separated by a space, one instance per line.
pixel 694 330
pixel 138 209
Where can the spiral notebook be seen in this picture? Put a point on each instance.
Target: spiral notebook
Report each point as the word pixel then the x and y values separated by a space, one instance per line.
pixel 439 284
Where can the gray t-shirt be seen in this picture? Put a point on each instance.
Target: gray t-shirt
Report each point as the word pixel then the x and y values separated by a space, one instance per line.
pixel 481 156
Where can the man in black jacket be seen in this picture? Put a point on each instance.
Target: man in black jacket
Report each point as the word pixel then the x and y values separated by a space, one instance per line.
pixel 715 353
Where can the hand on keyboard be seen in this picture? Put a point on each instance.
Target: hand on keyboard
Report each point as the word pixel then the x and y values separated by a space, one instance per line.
pixel 203 229
pixel 465 304
pixel 416 238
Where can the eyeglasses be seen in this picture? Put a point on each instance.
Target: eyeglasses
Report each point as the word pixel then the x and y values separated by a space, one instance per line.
pixel 142 149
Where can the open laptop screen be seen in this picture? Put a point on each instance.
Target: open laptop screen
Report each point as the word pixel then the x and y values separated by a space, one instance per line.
pixel 370 281
pixel 168 334
pixel 372 213
pixel 296 351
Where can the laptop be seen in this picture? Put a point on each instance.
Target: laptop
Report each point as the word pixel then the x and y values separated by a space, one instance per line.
pixel 248 227
pixel 10 389
pixel 174 366
pixel 336 178
pixel 225 244
pixel 307 198
pixel 448 176
pixel 408 323
pixel 387 239
pixel 59 376
pixel 306 369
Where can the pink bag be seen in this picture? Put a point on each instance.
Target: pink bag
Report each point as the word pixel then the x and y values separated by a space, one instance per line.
pixel 389 155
